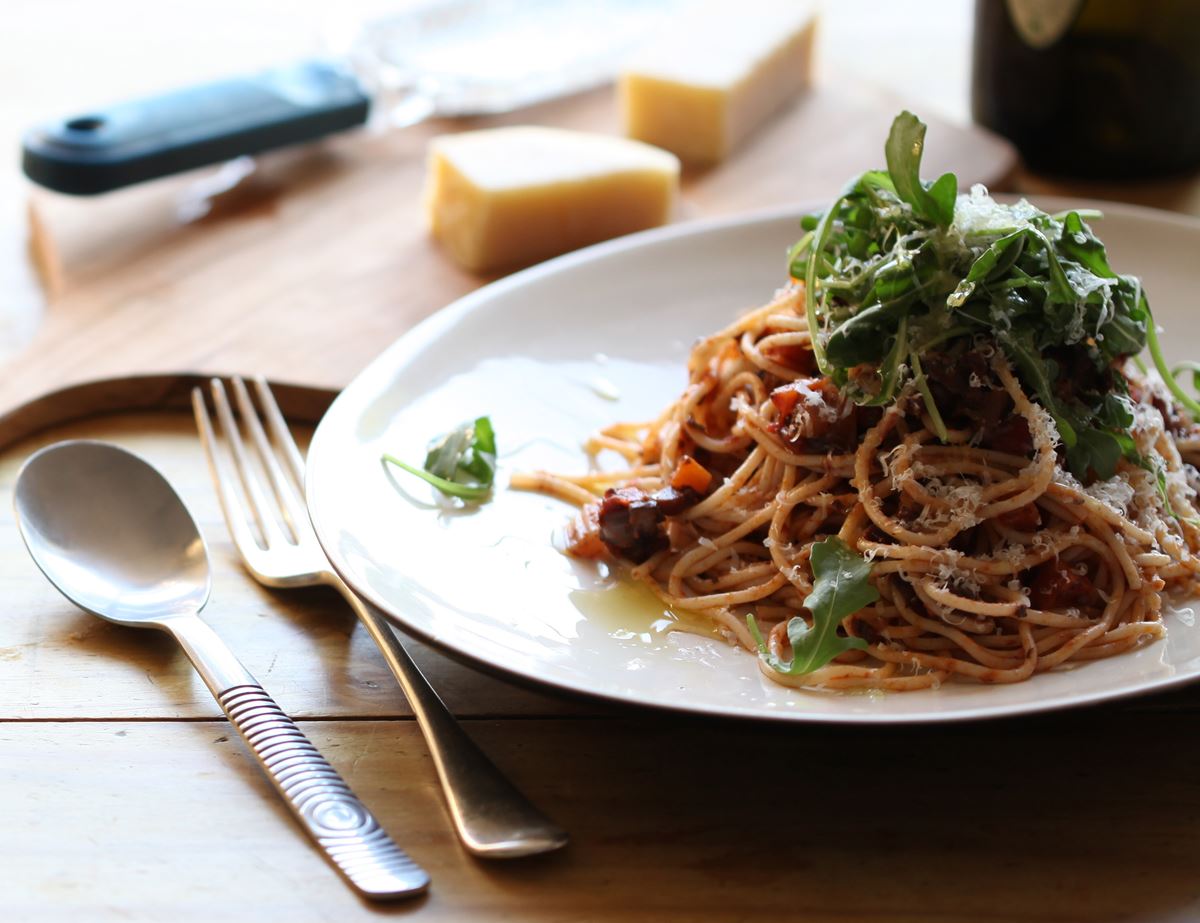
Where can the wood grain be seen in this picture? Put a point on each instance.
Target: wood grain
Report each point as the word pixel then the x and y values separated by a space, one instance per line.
pixel 57 662
pixel 125 798
pixel 170 392
pixel 307 269
pixel 1039 821
pixel 305 646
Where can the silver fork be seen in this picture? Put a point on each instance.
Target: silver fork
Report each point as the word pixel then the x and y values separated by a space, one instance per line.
pixel 493 819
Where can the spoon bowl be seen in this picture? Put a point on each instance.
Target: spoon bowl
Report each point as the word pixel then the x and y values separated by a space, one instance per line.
pixel 113 536
pixel 109 531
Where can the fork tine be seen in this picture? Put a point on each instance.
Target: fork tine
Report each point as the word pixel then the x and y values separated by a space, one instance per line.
pixel 231 504
pixel 285 494
pixel 491 816
pixel 279 429
pixel 271 531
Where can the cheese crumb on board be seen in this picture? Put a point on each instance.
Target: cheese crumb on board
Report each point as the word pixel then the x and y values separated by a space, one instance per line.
pixel 718 75
pixel 506 197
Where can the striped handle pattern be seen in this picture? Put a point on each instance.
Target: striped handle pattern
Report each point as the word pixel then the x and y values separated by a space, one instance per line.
pixel 320 798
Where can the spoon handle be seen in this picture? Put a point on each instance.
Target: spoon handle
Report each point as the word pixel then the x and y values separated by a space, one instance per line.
pixel 317 795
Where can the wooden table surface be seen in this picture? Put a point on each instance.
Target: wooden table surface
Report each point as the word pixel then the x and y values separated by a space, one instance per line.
pixel 126 797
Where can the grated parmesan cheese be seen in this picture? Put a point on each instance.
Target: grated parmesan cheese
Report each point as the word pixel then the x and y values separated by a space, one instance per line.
pixel 815 401
pixel 1021 591
pixel 1179 487
pixel 892 457
pixel 1116 493
pixel 956 579
pixel 1041 427
pixel 978 214
pixel 964 499
pixel 1011 554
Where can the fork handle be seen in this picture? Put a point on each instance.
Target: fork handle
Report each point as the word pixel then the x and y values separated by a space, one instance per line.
pixel 330 813
pixel 494 820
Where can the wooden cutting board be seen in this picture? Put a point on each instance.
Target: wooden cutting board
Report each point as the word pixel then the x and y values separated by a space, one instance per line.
pixel 310 266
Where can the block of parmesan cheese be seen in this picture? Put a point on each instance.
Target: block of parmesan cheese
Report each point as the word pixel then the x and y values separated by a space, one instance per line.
pixel 507 197
pixel 717 75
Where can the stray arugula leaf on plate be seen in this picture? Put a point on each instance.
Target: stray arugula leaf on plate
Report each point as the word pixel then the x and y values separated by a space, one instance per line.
pixel 460 463
pixel 841 587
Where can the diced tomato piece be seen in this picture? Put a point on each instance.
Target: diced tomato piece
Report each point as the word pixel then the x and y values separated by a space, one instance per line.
pixel 795 356
pixel 691 473
pixel 1010 435
pixel 1057 586
pixel 1023 519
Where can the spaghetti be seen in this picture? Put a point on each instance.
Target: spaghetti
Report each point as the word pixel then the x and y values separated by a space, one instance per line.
pixel 946 397
pixel 991 561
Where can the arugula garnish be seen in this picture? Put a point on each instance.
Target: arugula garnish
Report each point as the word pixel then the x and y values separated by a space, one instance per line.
pixel 1193 367
pixel 461 463
pixel 903 150
pixel 897 266
pixel 841 586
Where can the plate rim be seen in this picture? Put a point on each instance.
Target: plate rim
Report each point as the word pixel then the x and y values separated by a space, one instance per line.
pixel 422 333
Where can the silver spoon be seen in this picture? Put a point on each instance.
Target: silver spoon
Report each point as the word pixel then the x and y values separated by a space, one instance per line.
pixel 109 531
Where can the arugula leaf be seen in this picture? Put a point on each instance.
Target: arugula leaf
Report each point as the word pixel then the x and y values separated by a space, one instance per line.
pixel 460 463
pixel 1116 412
pixel 1095 450
pixel 1124 335
pixel 889 371
pixel 479 459
pixel 1058 287
pixel 905 145
pixel 1040 373
pixel 863 338
pixel 841 587
pixel 1160 363
pixel 820 235
pixel 997 259
pixel 1081 245
pixel 1193 367
pixel 939 427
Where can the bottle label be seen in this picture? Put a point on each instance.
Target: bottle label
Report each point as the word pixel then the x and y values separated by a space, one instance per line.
pixel 1041 23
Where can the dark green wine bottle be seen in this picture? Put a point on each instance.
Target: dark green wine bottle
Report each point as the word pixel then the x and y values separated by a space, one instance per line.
pixel 1102 89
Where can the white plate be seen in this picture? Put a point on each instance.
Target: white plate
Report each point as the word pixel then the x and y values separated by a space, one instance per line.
pixel 538 351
